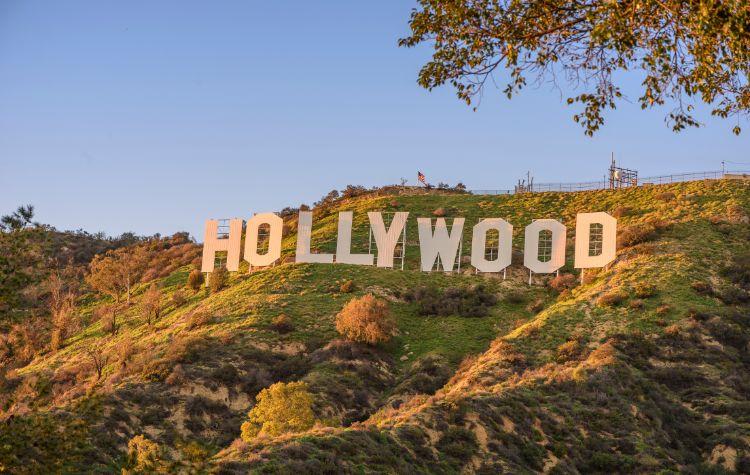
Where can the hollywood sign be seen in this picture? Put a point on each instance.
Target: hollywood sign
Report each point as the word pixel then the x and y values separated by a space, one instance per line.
pixel 436 241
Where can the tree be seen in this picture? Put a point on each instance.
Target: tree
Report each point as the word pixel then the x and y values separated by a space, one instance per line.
pixel 98 360
pixel 281 408
pixel 151 303
pixel 686 52
pixel 61 303
pixel 116 271
pixel 366 320
pixel 20 219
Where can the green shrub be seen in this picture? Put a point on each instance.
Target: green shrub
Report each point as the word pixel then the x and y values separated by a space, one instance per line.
pixel 281 408
pixel 473 301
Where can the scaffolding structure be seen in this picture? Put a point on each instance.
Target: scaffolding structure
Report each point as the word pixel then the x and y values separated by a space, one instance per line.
pixel 621 177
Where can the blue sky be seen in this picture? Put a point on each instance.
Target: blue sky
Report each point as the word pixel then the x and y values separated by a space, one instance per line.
pixel 152 116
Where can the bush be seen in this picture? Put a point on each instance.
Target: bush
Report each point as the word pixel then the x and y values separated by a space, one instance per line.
pixel 702 288
pixel 474 301
pixel 636 304
pixel 739 270
pixel 282 324
pixel 179 298
pixel 440 212
pixel 536 306
pixel 569 350
pixel 563 282
pixel 663 309
pixel 666 196
pixel 108 316
pixel 195 280
pixel 621 211
pixel 644 290
pixel 346 287
pixel 366 320
pixel 514 297
pixel 144 456
pixel 635 234
pixel 281 408
pixel 198 318
pixel 611 299
pixel 218 279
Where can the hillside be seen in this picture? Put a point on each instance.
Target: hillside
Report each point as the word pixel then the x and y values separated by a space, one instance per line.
pixel 642 368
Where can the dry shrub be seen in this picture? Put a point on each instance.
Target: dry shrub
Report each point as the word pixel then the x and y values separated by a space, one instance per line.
pixel 107 314
pixel 672 330
pixel 198 318
pixel 635 234
pixel 702 288
pixel 347 287
pixel 218 279
pixel 621 211
pixel 644 290
pixel 440 212
pixel 663 309
pixel 179 298
pixel 563 282
pixel 611 299
pixel 366 320
pixel 177 377
pixel 282 324
pixel 195 280
pixel 636 304
pixel 57 338
pixel 666 196
pixel 536 306
pixel 736 214
pixel 393 203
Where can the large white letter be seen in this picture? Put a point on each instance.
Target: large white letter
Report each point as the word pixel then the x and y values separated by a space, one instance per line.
pixel 604 244
pixel 276 225
pixel 531 246
pixel 479 244
pixel 440 243
pixel 344 243
pixel 386 240
pixel 212 244
pixel 304 233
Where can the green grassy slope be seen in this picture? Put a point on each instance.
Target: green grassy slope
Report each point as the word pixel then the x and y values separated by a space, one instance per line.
pixel 655 381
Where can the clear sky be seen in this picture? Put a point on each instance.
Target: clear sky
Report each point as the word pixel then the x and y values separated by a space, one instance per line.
pixel 152 116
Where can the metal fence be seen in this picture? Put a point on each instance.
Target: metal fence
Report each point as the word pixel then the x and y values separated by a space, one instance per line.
pixel 603 184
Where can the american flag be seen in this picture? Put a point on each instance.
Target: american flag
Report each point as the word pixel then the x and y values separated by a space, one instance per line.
pixel 421 178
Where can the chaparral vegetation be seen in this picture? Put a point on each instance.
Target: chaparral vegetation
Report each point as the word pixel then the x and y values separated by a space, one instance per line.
pixel 116 355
